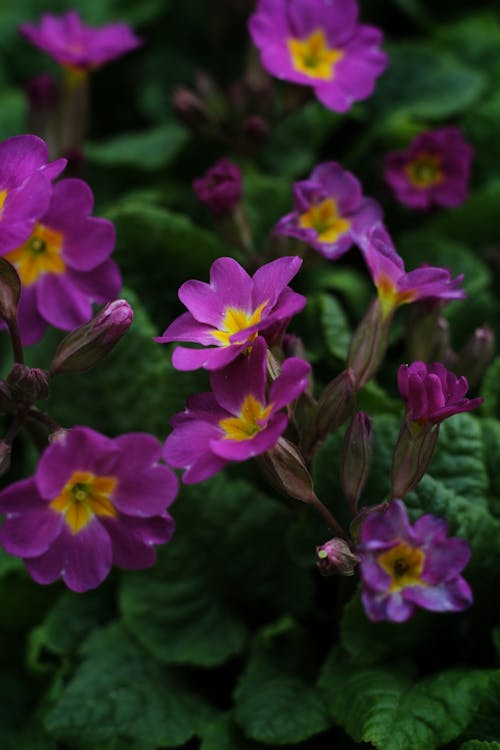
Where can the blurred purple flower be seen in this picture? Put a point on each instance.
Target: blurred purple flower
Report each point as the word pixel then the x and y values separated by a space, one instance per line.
pixel 236 421
pixel 330 211
pixel 433 170
pixel 92 503
pixel 405 566
pixel 226 315
pixel 73 44
pixel 65 265
pixel 220 188
pixel 319 43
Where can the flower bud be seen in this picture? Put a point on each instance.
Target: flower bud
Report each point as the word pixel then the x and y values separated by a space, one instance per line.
pixel 428 336
pixel 256 128
pixel 335 404
pixel 356 458
pixel 28 384
pixel 475 357
pixel 335 556
pixel 369 343
pixel 285 469
pixel 42 92
pixel 220 188
pixel 10 291
pixel 189 108
pixel 412 456
pixel 89 344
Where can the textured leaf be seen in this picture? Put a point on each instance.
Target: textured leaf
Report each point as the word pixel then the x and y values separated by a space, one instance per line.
pixel 336 328
pixel 479 745
pixel 266 200
pixel 119 698
pixel 223 734
pixel 144 150
pixel 490 390
pixel 485 725
pixel 387 707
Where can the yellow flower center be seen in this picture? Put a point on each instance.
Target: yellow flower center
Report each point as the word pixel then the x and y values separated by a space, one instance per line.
pixel 251 420
pixel 40 254
pixel 3 198
pixel 325 219
pixel 404 564
pixel 389 296
pixel 83 497
pixel 236 320
pixel 425 170
pixel 313 57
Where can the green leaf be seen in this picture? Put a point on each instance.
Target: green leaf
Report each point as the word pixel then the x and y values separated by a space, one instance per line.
pixel 479 745
pixel 144 150
pixel 387 707
pixel 475 221
pixel 119 698
pixel 374 400
pixel 266 199
pixel 336 328
pixel 354 288
pixel 485 725
pixel 9 564
pixel 275 702
pixel 491 439
pixel 490 390
pixel 223 734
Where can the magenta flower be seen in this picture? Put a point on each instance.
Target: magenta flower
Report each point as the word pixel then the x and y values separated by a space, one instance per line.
pixel 220 188
pixel 25 187
pixel 73 44
pixel 319 43
pixel 405 566
pixel 64 265
pixel 236 421
pixel 434 170
pixel 226 315
pixel 92 503
pixel 330 211
pixel 395 287
pixel 433 393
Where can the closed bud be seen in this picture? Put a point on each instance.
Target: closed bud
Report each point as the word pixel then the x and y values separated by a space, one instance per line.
pixel 335 557
pixel 428 336
pixel 335 404
pixel 256 128
pixel 285 469
pixel 189 107
pixel 89 344
pixel 476 355
pixel 412 455
pixel 5 453
pixel 369 343
pixel 10 291
pixel 28 384
pixel 356 458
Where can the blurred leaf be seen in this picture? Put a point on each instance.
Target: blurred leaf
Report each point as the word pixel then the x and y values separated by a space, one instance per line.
pixel 145 150
pixel 490 390
pixel 225 735
pixel 474 222
pixel 336 328
pixel 266 200
pixel 12 113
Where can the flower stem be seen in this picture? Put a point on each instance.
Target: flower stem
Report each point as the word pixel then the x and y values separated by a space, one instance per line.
pixel 328 517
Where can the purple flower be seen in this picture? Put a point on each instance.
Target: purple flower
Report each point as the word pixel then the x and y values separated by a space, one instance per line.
pixel 25 187
pixel 220 188
pixel 92 503
pixel 404 566
pixel 396 287
pixel 73 44
pixel 226 315
pixel 236 421
pixel 319 43
pixel 64 265
pixel 330 211
pixel 433 393
pixel 434 170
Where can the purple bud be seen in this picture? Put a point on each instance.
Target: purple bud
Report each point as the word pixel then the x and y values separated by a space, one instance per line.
pixel 476 355
pixel 335 404
pixel 369 343
pixel 335 556
pixel 89 344
pixel 285 469
pixel 28 384
pixel 256 128
pixel 220 188
pixel 42 92
pixel 356 458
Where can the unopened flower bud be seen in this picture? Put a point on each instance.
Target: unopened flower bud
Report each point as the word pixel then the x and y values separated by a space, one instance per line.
pixel 369 343
pixel 220 188
pixel 428 332
pixel 256 128
pixel 412 456
pixel 188 107
pixel 89 344
pixel 293 346
pixel 335 557
pixel 42 92
pixel 10 291
pixel 335 404
pixel 28 384
pixel 5 454
pixel 285 469
pixel 476 355
pixel 356 458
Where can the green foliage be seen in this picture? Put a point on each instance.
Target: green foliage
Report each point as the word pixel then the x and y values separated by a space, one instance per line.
pixel 148 150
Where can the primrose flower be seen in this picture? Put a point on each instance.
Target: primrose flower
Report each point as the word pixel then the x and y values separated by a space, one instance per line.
pixel 330 211
pixel 92 503
pixel 319 43
pixel 64 265
pixel 434 170
pixel 433 393
pixel 220 188
pixel 236 421
pixel 405 566
pixel 25 187
pixel 396 287
pixel 226 315
pixel 76 46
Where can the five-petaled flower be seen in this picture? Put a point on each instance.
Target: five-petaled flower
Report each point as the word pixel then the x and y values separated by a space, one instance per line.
pixel 433 393
pixel 433 170
pixel 405 566
pixel 226 315
pixel 319 43
pixel 77 46
pixel 330 211
pixel 93 502
pixel 237 420
pixel 395 286
pixel 64 265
